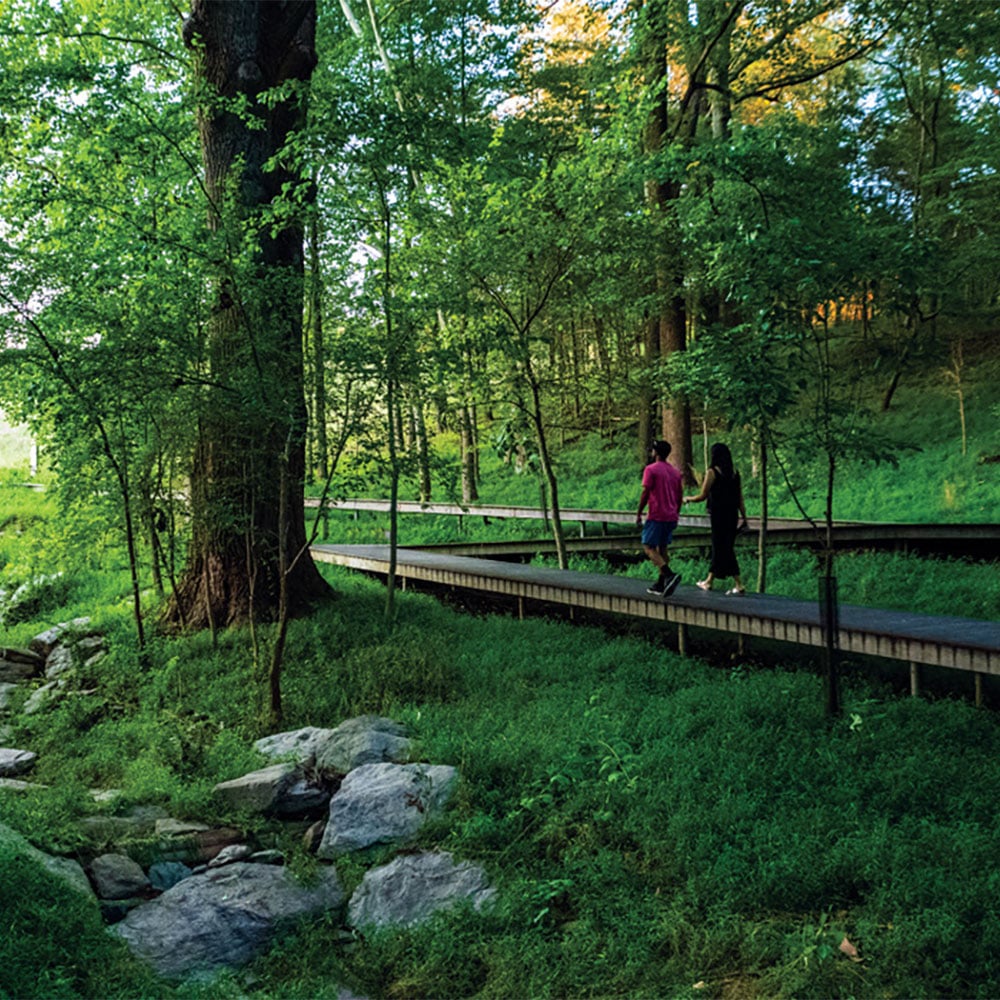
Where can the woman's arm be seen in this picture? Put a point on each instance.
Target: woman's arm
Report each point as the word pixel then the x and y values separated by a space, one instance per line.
pixel 705 487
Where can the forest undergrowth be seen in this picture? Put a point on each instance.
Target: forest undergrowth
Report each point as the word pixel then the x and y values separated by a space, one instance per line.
pixel 656 826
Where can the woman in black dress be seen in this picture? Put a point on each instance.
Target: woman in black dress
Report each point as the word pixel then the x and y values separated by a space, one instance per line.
pixel 722 489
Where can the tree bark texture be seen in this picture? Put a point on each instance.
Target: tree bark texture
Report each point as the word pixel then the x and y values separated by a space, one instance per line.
pixel 662 196
pixel 253 424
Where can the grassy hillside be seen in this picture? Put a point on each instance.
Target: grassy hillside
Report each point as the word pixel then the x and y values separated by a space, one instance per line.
pixel 655 826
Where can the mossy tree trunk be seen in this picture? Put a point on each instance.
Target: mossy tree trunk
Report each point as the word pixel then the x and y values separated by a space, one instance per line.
pixel 253 423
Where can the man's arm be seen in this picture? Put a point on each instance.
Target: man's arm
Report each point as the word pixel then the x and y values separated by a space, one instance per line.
pixel 643 497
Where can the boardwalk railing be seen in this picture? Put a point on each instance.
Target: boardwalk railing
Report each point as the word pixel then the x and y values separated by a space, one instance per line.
pixel 979 540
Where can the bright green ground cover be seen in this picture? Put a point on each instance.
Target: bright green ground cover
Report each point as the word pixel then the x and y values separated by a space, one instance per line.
pixel 651 823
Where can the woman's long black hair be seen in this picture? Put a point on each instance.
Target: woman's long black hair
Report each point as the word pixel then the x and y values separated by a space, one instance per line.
pixel 722 459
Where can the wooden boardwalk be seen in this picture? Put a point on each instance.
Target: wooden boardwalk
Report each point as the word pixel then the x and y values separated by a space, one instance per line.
pixel 955 643
pixel 981 541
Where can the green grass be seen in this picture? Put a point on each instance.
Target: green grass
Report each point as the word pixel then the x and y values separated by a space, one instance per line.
pixel 655 826
pixel 650 822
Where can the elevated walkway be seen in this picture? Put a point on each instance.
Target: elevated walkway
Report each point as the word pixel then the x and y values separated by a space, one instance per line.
pixel 954 643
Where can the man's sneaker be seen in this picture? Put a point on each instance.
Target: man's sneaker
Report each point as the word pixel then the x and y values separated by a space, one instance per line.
pixel 656 589
pixel 671 585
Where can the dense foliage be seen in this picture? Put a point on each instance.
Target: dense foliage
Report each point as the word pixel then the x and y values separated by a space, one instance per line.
pixel 652 822
pixel 535 236
pixel 522 225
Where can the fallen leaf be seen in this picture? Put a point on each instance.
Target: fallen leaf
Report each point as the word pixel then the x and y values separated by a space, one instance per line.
pixel 849 950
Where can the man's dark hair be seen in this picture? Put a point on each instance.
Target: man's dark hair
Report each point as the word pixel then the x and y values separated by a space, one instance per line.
pixel 662 448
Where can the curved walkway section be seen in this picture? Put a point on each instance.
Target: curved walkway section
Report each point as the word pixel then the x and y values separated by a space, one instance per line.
pixel 956 643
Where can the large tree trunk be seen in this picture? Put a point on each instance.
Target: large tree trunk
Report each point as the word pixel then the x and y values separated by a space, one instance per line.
pixel 676 411
pixel 668 332
pixel 254 417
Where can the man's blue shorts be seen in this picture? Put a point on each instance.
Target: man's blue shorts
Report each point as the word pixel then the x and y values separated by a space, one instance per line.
pixel 658 534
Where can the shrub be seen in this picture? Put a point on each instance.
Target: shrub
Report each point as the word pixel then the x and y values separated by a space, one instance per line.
pixel 32 598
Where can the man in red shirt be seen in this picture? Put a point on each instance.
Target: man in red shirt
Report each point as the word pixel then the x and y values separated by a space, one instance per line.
pixel 662 487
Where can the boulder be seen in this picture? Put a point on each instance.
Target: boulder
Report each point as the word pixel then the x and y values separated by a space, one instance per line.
pixel 414 887
pixel 27 657
pixel 14 785
pixel 367 739
pixel 167 826
pixel 45 642
pixel 231 854
pixel 282 789
pixel 6 690
pixel 298 746
pixel 384 804
pixel 15 762
pixel 59 662
pixel 117 876
pixel 15 671
pixel 41 698
pixel 89 645
pixel 67 870
pixel 223 918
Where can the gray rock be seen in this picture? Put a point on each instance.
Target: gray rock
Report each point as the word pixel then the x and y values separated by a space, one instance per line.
pixel 26 656
pixel 223 918
pixel 384 804
pixel 413 887
pixel 258 791
pixel 167 826
pixel 105 796
pixel 298 746
pixel 165 875
pixel 15 671
pixel 67 870
pixel 117 876
pixel 13 785
pixel 281 788
pixel 44 642
pixel 41 698
pixel 230 854
pixel 367 739
pixel 59 662
pixel 89 645
pixel 18 665
pixel 16 762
